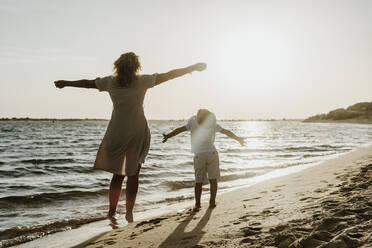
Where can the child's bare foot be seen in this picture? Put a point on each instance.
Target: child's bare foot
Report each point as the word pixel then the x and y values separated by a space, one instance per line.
pixel 129 217
pixel 196 208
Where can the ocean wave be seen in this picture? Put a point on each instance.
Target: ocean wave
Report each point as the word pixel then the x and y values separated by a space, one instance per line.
pixel 69 169
pixel 173 199
pixel 47 161
pixel 21 234
pixel 20 171
pixel 285 155
pixel 282 166
pixel 181 184
pixel 42 198
pixel 15 173
pixel 318 148
pixel 251 150
pixel 322 148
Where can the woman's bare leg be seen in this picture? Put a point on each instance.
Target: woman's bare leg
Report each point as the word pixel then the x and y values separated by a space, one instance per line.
pixel 115 192
pixel 131 193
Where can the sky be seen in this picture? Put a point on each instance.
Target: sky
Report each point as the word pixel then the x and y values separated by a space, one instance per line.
pixel 266 59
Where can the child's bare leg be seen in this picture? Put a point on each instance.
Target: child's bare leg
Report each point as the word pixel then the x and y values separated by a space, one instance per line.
pixel 131 194
pixel 114 193
pixel 198 191
pixel 213 186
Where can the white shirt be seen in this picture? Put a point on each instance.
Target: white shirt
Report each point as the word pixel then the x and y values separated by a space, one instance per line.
pixel 202 138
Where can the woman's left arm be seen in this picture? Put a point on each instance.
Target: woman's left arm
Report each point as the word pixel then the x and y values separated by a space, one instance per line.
pixel 83 83
pixel 163 77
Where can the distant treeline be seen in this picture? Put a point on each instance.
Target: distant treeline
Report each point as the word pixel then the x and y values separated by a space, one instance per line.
pixel 48 119
pixel 361 110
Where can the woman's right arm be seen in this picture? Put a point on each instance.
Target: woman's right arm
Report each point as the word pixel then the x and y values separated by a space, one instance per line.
pixel 163 77
pixel 83 83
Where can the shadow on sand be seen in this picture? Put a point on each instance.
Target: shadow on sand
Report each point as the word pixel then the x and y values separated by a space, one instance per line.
pixel 179 237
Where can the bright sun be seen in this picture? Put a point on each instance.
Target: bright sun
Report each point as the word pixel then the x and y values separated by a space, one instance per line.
pixel 258 56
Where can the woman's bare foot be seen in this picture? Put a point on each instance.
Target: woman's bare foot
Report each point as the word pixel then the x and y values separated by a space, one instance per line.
pixel 129 217
pixel 114 221
pixel 111 213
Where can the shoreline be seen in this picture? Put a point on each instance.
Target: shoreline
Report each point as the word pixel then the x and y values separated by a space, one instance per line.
pixel 299 208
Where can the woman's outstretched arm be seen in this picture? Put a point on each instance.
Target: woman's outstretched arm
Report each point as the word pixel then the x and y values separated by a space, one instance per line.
pixel 174 133
pixel 163 77
pixel 83 83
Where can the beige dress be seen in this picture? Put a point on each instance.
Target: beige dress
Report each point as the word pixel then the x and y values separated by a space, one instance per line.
pixel 127 139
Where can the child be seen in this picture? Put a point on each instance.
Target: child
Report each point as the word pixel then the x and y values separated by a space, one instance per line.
pixel 203 128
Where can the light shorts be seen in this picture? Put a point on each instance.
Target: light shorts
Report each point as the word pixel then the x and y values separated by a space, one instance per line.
pixel 206 163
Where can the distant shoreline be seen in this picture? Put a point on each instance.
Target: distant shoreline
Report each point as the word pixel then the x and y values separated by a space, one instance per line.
pixel 350 121
pixel 98 119
pixel 51 119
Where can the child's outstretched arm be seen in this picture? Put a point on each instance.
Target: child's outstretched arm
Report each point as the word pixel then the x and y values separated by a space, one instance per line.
pixel 233 136
pixel 163 77
pixel 83 83
pixel 174 133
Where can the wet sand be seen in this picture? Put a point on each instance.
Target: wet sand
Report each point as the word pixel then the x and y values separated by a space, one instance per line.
pixel 327 205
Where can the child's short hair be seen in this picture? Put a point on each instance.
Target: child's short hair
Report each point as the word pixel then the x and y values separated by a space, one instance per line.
pixel 206 118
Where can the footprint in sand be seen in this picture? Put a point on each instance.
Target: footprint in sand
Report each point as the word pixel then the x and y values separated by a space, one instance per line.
pixel 250 231
pixel 250 199
pixel 148 229
pixel 266 212
pixel 320 190
pixel 246 240
pixel 279 186
pixel 109 242
pixel 152 221
pixel 255 224
pixel 308 198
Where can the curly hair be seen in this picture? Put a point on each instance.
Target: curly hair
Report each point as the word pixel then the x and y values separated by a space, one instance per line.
pixel 126 68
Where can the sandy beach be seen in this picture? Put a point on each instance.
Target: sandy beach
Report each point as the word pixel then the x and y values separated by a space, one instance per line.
pixel 327 205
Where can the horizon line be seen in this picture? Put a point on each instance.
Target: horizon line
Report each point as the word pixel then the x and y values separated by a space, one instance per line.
pixel 104 119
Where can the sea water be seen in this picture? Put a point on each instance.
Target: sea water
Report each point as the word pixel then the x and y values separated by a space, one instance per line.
pixel 47 183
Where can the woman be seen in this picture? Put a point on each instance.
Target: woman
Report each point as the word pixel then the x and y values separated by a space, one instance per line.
pixel 127 139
